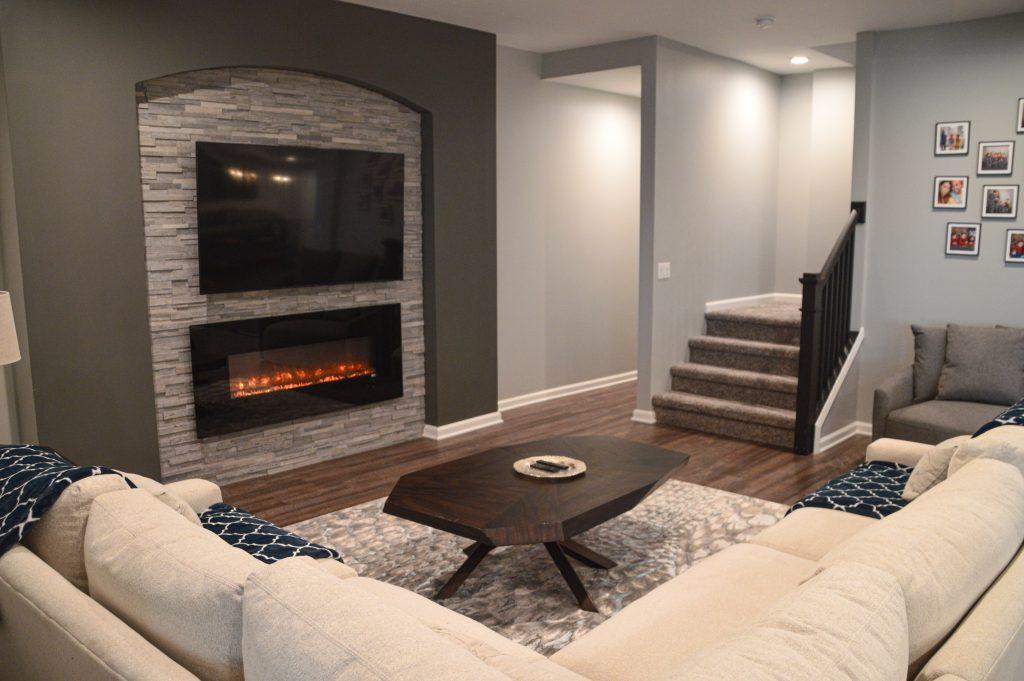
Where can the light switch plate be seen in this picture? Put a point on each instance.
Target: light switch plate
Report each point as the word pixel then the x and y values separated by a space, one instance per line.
pixel 664 270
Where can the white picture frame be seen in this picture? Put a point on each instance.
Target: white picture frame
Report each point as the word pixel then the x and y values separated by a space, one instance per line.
pixel 999 201
pixel 953 197
pixel 995 158
pixel 1020 115
pixel 963 238
pixel 952 138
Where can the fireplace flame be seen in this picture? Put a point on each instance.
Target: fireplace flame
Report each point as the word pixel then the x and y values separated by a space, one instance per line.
pixel 290 378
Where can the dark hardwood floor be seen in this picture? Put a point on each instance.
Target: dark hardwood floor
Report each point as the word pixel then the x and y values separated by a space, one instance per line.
pixel 732 465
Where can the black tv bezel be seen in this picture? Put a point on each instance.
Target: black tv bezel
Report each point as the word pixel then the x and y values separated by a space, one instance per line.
pixel 205 289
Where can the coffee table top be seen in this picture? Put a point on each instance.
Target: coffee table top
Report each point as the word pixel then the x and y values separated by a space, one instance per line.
pixel 482 498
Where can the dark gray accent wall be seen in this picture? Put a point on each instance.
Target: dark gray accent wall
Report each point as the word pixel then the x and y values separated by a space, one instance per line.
pixel 70 70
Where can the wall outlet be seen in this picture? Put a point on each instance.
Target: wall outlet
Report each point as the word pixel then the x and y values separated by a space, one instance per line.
pixel 664 270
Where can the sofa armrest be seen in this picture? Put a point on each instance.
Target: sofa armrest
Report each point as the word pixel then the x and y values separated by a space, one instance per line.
pixel 51 630
pixel 199 494
pixel 895 393
pixel 897 451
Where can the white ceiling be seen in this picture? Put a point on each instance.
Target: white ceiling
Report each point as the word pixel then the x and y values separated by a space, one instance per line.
pixel 624 81
pixel 725 27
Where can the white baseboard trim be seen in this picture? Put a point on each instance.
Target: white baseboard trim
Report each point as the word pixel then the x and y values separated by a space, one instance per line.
pixel 840 436
pixel 644 416
pixel 565 390
pixel 730 303
pixel 461 427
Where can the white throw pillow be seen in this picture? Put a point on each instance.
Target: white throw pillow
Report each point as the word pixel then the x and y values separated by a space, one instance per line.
pixel 980 448
pixel 946 548
pixel 177 584
pixel 848 623
pixel 932 468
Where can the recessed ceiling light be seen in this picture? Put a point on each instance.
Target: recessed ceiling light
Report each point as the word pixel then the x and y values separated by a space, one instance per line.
pixel 798 60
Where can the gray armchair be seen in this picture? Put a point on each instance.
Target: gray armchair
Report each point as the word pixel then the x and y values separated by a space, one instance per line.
pixel 908 406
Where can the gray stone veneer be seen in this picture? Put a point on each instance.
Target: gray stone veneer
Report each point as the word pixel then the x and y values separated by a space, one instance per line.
pixel 265 106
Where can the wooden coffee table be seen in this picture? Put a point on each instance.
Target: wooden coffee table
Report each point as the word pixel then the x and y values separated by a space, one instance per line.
pixel 481 498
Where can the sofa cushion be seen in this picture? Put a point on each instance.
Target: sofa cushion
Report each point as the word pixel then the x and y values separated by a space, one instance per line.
pixel 59 536
pixel 300 623
pixel 812 532
pixel 938 420
pixel 515 661
pixel 983 364
pixel 164 495
pixel 172 581
pixel 989 643
pixel 649 638
pixel 932 468
pixel 987 448
pixel 847 624
pixel 946 547
pixel 929 356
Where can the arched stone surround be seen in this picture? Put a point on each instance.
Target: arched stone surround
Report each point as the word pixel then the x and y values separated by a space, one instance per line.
pixel 265 106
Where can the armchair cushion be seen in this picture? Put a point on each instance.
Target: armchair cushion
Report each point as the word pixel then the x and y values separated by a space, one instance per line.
pixel 937 420
pixel 929 356
pixel 983 364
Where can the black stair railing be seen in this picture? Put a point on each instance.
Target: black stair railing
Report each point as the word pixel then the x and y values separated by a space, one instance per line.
pixel 825 335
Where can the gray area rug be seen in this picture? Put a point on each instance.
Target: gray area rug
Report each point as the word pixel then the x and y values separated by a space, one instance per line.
pixel 517 591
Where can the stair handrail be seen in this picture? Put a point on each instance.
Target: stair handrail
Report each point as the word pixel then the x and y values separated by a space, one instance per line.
pixel 825 334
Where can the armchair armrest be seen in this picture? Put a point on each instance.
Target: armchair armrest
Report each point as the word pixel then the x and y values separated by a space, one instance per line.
pixel 897 451
pixel 895 393
pixel 199 494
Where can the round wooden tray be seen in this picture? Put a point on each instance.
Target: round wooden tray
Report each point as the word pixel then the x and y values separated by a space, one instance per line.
pixel 575 469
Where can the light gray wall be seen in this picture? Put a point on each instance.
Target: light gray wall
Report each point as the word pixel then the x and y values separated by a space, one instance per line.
pixel 967 71
pixel 568 229
pixel 815 170
pixel 715 193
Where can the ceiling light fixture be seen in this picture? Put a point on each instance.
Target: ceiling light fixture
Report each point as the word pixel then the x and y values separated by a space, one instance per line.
pixel 798 60
pixel 764 22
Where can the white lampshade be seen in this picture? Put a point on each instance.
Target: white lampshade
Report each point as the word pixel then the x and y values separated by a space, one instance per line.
pixel 9 352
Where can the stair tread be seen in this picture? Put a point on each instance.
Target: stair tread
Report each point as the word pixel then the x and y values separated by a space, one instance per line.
pixel 752 379
pixel 742 346
pixel 768 314
pixel 772 416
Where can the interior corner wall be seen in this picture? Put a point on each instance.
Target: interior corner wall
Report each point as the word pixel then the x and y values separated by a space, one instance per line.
pixel 70 70
pixel 815 170
pixel 715 193
pixel 568 229
pixel 915 78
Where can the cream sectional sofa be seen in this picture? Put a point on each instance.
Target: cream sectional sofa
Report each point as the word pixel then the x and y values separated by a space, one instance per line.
pixel 123 584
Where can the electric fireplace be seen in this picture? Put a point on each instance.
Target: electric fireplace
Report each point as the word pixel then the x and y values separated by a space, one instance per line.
pixel 257 372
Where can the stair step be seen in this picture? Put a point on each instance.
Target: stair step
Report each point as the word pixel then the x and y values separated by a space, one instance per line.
pixel 749 387
pixel 767 322
pixel 746 355
pixel 766 425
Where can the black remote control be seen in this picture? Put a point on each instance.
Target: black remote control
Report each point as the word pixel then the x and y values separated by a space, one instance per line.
pixel 559 466
pixel 545 467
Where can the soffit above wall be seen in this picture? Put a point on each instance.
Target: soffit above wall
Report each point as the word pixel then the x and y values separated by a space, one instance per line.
pixel 726 29
pixel 625 81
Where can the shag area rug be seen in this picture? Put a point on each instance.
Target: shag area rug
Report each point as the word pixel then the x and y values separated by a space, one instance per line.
pixel 517 591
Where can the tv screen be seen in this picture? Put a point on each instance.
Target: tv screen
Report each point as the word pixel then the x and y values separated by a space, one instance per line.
pixel 277 217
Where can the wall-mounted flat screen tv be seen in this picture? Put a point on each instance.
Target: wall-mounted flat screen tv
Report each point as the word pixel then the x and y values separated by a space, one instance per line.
pixel 277 217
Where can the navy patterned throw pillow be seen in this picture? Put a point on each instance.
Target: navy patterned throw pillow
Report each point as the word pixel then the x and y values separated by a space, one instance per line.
pixel 260 538
pixel 873 489
pixel 1014 416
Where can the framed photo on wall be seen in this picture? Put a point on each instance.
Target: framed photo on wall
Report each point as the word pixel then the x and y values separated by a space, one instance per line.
pixel 950 192
pixel 1015 245
pixel 952 138
pixel 1020 115
pixel 999 201
pixel 963 238
pixel 995 158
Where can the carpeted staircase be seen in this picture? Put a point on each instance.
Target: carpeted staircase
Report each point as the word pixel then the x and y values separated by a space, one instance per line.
pixel 741 377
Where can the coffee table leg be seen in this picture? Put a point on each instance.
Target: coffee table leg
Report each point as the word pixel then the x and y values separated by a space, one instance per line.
pixel 570 576
pixel 456 580
pixel 588 557
pixel 471 548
